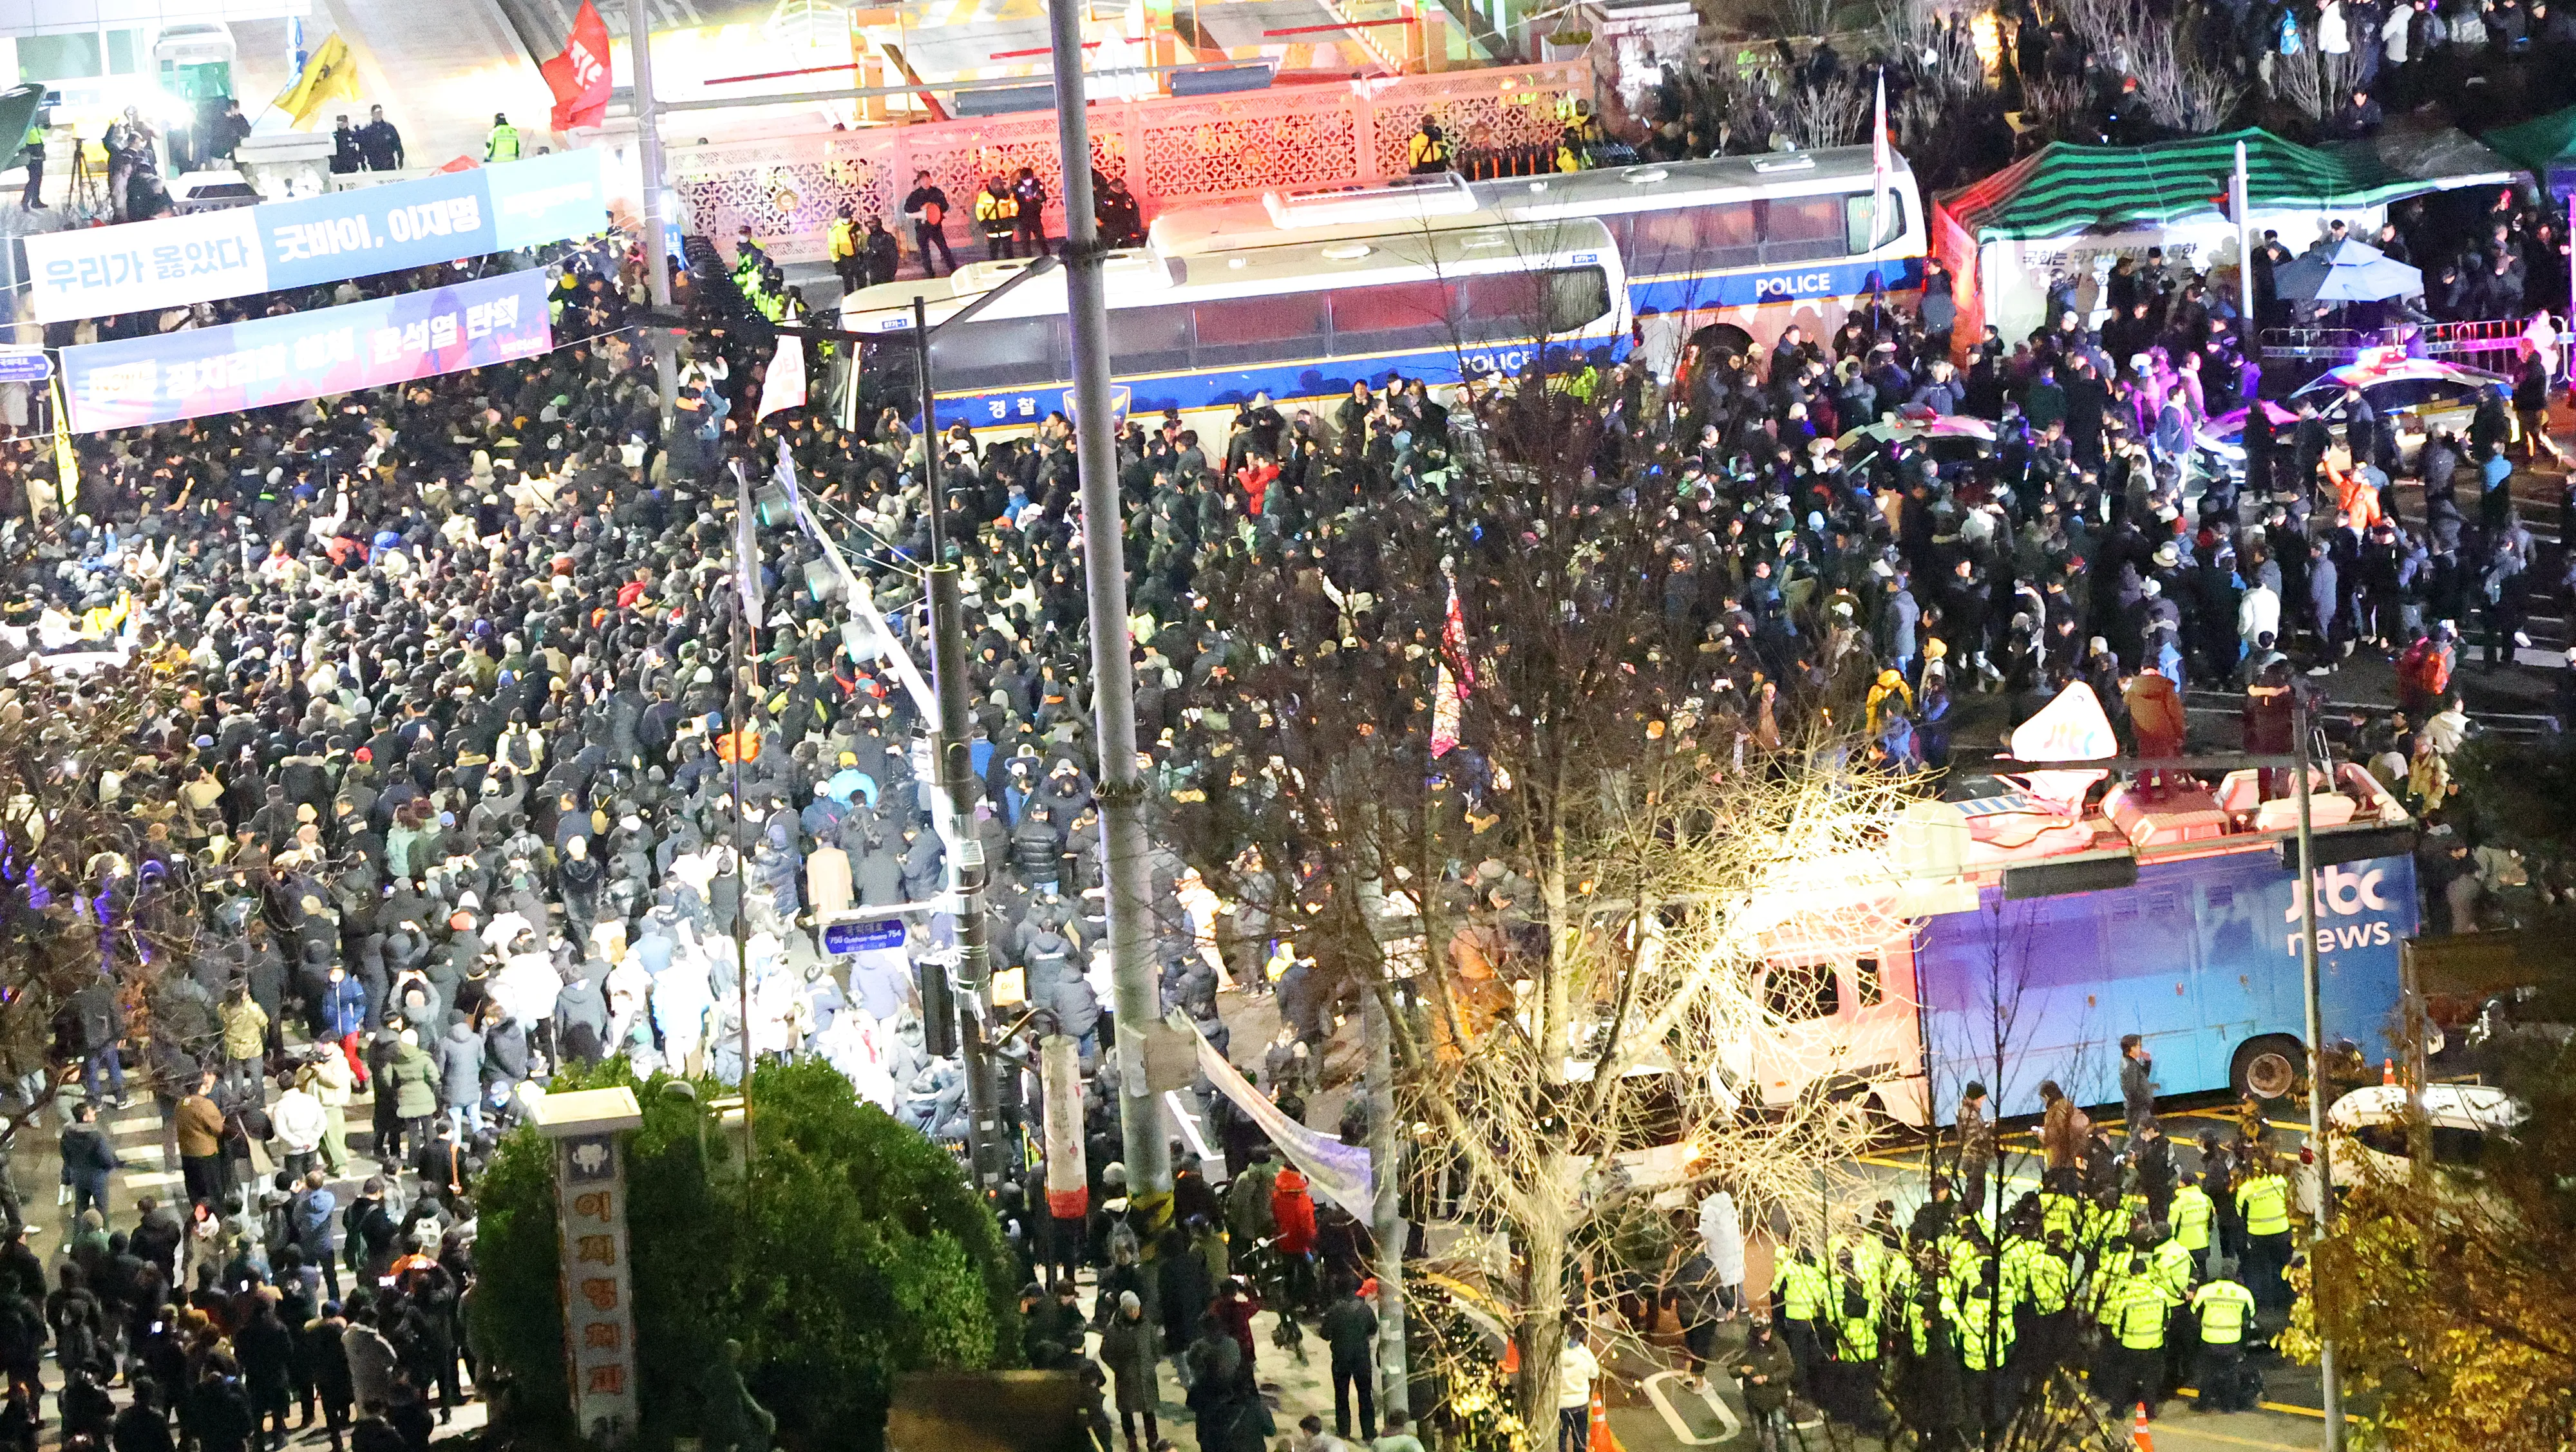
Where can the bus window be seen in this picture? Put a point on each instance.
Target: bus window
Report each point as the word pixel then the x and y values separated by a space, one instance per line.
pixel 1664 241
pixel 1520 304
pixel 1857 211
pixel 1253 329
pixel 1390 316
pixel 1799 229
pixel 1727 235
pixel 1798 994
pixel 1001 353
pixel 1149 340
pixel 1865 983
pixel 1577 297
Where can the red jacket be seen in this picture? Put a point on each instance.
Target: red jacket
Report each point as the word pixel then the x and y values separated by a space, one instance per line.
pixel 1294 1212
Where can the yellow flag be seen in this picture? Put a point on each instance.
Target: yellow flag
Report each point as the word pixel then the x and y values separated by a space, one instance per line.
pixel 330 75
pixel 66 462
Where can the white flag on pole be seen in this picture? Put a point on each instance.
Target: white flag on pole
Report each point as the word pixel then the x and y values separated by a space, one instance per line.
pixel 746 547
pixel 1882 169
pixel 784 385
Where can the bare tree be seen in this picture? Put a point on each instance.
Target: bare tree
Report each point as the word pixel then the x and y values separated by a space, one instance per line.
pixel 1833 114
pixel 97 890
pixel 2181 93
pixel 1536 790
pixel 1801 18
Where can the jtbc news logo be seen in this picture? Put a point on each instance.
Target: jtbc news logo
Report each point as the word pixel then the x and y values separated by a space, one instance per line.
pixel 2343 892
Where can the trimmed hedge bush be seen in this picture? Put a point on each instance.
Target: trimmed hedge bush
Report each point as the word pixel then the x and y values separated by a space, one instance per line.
pixel 856 1252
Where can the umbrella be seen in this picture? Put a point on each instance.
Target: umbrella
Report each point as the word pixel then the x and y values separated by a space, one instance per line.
pixel 2348 271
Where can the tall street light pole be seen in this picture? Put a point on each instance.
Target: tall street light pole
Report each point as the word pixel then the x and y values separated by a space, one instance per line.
pixel 973 972
pixel 2330 1379
pixel 1104 555
pixel 657 255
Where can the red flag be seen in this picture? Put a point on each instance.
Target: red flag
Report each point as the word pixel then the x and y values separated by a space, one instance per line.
pixel 579 76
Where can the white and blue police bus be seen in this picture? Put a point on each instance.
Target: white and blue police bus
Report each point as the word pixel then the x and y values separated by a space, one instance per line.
pixel 1729 250
pixel 1735 249
pixel 1301 320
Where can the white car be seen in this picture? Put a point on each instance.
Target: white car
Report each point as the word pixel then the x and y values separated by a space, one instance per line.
pixel 2463 1120
pixel 1950 439
pixel 2418 394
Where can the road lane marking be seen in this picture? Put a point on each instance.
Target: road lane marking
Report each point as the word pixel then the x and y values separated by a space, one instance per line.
pixel 1654 1388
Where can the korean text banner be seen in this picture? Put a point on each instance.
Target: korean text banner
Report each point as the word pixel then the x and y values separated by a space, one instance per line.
pixel 173 261
pixel 306 355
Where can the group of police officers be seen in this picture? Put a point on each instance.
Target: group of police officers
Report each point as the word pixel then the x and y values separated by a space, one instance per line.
pixel 1951 1330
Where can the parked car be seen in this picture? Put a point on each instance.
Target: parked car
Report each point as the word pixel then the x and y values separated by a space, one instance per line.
pixel 2420 394
pixel 1950 439
pixel 2462 1122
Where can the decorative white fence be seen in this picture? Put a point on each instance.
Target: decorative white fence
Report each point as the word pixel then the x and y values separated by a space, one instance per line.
pixel 1169 148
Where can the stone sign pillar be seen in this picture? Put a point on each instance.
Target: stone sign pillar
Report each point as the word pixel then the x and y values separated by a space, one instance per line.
pixel 598 1286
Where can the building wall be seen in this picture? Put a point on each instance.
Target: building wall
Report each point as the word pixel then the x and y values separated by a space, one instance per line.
pixel 1170 149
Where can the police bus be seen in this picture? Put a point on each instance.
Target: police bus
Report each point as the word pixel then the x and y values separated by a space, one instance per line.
pixel 1299 321
pixel 1727 251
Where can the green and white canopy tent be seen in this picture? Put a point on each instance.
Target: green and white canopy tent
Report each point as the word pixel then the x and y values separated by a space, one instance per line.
pixel 2076 209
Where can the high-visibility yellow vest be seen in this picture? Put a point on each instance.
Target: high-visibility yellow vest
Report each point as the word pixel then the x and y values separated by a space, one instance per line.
pixel 2171 1265
pixel 2139 1314
pixel 1424 151
pixel 2038 1275
pixel 2264 1201
pixel 841 241
pixel 2192 1214
pixel 502 144
pixel 1855 1337
pixel 2225 1309
pixel 2057 1213
pixel 2103 1224
pixel 990 209
pixel 1918 1327
pixel 1984 1338
pixel 1802 1291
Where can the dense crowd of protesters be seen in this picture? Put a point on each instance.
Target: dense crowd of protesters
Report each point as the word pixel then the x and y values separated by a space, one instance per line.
pixel 454 799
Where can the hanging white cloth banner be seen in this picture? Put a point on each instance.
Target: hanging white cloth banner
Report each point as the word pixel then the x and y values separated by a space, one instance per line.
pixel 1339 1172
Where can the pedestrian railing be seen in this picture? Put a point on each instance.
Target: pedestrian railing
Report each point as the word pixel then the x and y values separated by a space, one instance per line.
pixel 2481 342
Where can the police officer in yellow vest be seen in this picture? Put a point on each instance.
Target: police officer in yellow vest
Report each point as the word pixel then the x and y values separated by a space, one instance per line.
pixel 1982 1326
pixel 2195 1217
pixel 2225 1310
pixel 841 247
pixel 1851 1310
pixel 1428 151
pixel 2134 1314
pixel 996 216
pixel 1802 1300
pixel 2039 1284
pixel 2174 1269
pixel 503 143
pixel 2264 1200
pixel 31 155
pixel 1569 151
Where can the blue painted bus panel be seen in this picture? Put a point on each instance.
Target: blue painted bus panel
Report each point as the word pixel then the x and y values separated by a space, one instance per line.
pixel 2199 956
pixel 1774 285
pixel 1306 379
pixel 1286 383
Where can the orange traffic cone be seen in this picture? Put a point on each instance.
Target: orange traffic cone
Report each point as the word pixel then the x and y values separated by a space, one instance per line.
pixel 2388 1071
pixel 1601 1440
pixel 2140 1433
